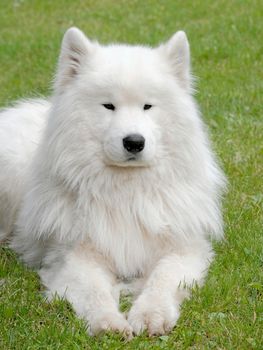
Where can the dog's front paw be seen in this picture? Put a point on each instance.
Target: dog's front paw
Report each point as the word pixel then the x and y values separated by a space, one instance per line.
pixel 110 321
pixel 156 315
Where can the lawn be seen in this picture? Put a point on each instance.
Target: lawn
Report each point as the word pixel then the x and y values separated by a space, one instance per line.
pixel 227 57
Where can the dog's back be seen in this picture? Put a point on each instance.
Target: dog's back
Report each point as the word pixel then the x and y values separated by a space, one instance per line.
pixel 20 132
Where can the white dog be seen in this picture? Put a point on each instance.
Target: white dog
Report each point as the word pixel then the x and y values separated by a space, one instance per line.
pixel 112 184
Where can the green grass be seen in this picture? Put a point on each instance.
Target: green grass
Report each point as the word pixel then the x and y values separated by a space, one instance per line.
pixel 227 56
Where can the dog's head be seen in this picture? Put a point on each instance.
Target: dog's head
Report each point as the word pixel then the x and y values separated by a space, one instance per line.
pixel 126 104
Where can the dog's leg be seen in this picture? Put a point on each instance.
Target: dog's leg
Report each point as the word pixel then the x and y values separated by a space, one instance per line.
pixel 82 277
pixel 158 306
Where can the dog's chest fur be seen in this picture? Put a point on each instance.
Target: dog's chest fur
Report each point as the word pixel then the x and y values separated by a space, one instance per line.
pixel 128 226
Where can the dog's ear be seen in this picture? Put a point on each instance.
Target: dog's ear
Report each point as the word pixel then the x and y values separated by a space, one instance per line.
pixel 75 49
pixel 177 51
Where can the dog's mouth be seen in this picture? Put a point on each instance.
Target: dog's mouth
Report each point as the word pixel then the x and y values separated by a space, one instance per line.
pixel 132 158
pixel 129 162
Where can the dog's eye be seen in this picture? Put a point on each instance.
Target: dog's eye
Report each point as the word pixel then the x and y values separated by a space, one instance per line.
pixel 109 106
pixel 145 107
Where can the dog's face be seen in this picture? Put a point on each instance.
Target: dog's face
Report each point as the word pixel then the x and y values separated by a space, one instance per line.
pixel 123 98
pixel 128 99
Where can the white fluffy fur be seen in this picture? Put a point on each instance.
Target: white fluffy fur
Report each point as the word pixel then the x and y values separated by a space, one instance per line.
pixel 90 220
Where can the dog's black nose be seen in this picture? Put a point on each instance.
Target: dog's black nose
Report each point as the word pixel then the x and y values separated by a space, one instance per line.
pixel 134 143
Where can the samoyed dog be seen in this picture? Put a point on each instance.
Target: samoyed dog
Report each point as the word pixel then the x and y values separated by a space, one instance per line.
pixel 111 183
